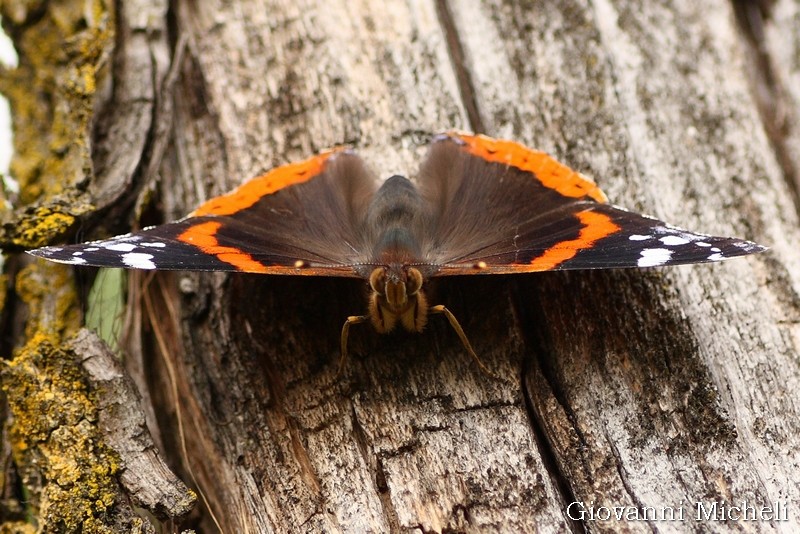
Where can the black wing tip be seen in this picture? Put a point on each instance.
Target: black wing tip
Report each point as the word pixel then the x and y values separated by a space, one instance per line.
pixel 714 249
pixel 740 247
pixel 44 252
pixel 52 254
pixel 749 247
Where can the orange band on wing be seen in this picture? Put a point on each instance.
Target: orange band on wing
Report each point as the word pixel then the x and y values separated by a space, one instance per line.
pixel 203 236
pixel 547 170
pixel 596 226
pixel 253 190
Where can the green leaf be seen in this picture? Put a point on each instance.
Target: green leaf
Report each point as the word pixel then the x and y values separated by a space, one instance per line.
pixel 106 305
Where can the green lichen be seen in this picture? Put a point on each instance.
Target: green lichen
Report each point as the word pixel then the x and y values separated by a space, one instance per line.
pixel 64 49
pixel 55 443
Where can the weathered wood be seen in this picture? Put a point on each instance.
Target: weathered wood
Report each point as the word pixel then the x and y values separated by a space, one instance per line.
pixel 144 475
pixel 662 388
pixel 640 389
pixel 378 448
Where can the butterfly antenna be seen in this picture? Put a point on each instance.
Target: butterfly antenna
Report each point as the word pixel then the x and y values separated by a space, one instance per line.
pixel 460 331
pixel 353 319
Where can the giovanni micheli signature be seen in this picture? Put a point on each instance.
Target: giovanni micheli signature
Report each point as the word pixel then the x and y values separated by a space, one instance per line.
pixel 743 510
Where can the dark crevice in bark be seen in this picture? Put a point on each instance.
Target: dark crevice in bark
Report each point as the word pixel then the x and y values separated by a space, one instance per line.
pixel 533 363
pixel 174 32
pixel 768 90
pixel 375 464
pixel 456 51
pixel 13 312
pixel 122 213
pixel 623 477
pixel 162 118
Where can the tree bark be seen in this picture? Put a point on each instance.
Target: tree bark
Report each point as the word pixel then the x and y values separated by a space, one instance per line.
pixel 645 389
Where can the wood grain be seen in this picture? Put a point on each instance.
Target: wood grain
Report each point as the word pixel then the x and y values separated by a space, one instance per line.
pixel 657 388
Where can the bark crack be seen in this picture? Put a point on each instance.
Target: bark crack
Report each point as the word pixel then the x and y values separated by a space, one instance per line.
pixel 767 88
pixel 455 49
pixel 382 489
pixel 549 455
pixel 623 477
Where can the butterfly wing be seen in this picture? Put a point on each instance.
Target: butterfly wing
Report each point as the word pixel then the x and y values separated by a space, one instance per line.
pixel 498 207
pixel 302 218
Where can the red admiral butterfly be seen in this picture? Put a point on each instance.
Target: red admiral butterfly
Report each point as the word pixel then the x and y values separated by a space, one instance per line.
pixel 480 206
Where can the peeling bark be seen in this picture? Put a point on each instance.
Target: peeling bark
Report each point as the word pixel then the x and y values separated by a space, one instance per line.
pixel 144 475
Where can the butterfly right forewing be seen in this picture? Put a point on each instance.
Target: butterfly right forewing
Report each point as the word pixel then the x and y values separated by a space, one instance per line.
pixel 303 218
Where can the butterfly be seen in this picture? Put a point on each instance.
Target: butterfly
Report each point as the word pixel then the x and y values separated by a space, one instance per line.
pixel 479 206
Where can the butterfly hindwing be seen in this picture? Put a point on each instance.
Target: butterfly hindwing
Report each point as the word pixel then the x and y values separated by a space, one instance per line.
pixel 298 219
pixel 476 203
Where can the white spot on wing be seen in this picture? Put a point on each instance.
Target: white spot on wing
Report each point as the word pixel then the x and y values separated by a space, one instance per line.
pixel 673 240
pixel 716 257
pixel 652 257
pixel 91 249
pixel 702 244
pixel 156 244
pixel 73 261
pixel 137 260
pixel 637 237
pixel 120 247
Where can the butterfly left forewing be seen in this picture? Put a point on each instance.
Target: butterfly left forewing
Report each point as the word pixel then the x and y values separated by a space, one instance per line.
pixel 499 207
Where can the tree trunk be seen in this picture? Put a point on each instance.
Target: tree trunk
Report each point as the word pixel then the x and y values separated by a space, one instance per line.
pixel 658 391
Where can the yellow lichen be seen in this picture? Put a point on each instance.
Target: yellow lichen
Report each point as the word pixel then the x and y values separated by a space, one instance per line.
pixel 17 527
pixel 56 446
pixel 36 231
pixel 43 224
pixel 68 474
pixel 48 290
pixel 52 91
pixel 3 291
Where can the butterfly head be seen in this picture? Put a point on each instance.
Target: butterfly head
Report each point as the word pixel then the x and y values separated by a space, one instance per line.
pixel 396 285
pixel 397 294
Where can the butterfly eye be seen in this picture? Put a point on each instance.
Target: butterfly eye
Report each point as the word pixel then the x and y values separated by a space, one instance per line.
pixel 377 280
pixel 413 282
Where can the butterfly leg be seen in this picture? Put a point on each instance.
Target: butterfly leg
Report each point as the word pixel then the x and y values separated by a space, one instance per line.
pixel 460 331
pixel 353 319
